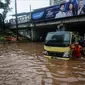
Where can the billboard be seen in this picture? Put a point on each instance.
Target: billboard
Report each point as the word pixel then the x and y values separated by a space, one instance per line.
pixel 66 9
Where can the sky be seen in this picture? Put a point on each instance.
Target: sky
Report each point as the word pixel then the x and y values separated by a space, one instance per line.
pixel 24 6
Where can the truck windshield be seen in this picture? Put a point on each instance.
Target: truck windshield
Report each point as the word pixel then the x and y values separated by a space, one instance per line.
pixel 58 39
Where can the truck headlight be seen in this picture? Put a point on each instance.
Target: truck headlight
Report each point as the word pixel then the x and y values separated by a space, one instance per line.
pixel 66 54
pixel 45 53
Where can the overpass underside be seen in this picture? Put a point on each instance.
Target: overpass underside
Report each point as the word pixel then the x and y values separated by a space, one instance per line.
pixel 38 31
pixel 75 27
pixel 78 27
pixel 75 24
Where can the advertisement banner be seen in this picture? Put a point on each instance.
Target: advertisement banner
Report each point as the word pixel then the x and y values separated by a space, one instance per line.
pixel 67 9
pixel 38 15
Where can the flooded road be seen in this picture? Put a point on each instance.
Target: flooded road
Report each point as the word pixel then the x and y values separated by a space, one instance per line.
pixel 24 64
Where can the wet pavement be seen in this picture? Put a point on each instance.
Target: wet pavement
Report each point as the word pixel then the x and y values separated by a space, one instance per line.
pixel 24 64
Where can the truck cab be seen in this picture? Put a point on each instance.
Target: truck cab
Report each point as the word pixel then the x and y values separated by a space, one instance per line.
pixel 57 45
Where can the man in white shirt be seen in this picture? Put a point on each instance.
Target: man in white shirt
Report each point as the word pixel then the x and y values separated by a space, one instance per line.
pixel 61 13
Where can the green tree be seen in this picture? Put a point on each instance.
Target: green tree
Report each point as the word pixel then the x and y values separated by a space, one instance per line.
pixel 4 4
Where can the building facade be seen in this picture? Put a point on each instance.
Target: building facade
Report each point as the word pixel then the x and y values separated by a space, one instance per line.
pixel 54 2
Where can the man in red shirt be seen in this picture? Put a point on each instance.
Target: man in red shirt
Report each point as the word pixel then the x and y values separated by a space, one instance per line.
pixel 76 50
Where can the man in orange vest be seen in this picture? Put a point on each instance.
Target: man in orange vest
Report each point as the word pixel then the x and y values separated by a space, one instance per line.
pixel 76 48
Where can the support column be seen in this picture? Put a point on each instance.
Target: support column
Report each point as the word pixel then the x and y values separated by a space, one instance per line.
pixel 34 34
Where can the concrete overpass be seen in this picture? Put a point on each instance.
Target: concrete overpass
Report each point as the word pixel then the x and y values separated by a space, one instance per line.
pixel 35 30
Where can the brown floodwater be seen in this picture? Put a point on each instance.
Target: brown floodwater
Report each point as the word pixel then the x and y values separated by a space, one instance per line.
pixel 24 64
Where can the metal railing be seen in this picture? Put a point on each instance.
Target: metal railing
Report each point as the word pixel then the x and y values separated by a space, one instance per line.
pixel 22 19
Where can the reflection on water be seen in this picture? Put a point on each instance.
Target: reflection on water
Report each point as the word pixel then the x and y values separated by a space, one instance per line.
pixel 24 64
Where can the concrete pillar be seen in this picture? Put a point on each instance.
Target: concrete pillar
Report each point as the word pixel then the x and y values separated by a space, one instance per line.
pixel 51 2
pixel 34 34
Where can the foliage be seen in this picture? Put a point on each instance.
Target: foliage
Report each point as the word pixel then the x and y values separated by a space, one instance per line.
pixel 5 6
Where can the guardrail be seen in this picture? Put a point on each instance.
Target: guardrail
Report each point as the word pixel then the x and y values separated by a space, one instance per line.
pixel 20 20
